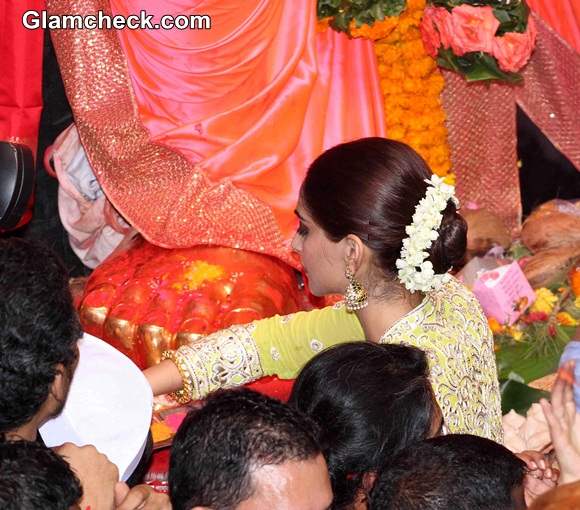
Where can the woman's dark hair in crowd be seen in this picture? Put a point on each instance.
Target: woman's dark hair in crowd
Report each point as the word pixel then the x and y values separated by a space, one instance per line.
pixel 370 401
pixel 370 187
pixel 217 447
pixel 33 476
pixel 39 328
pixel 458 471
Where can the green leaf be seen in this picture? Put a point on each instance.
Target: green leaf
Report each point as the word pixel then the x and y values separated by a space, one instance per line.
pixel 518 250
pixel 501 15
pixel 475 66
pixel 393 7
pixel 518 396
pixel 340 22
pixel 511 358
pixel 343 12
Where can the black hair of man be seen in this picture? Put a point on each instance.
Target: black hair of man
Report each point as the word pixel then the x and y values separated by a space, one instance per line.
pixel 454 472
pixel 218 446
pixel 33 476
pixel 39 328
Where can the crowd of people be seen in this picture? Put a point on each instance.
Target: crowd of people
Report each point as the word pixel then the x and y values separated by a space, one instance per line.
pixel 395 405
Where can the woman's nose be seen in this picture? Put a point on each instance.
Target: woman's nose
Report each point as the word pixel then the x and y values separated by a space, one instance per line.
pixel 297 243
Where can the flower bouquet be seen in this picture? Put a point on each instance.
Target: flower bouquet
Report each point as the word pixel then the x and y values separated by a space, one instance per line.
pixel 531 348
pixel 480 39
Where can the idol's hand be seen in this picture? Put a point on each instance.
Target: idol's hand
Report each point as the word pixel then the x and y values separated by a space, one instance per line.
pixel 564 424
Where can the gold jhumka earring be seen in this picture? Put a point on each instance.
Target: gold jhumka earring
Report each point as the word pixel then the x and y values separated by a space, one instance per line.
pixel 355 295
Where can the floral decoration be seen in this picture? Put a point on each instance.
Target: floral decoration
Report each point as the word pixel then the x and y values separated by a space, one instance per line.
pixel 480 39
pixel 342 15
pixel 411 84
pixel 414 270
pixel 547 326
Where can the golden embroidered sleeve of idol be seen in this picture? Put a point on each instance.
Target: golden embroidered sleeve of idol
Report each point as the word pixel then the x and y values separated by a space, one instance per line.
pixel 449 325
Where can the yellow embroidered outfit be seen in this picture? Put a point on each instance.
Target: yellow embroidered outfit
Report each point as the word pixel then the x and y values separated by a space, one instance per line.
pixel 449 325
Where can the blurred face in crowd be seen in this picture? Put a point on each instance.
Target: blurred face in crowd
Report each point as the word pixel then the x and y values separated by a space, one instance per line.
pixel 292 485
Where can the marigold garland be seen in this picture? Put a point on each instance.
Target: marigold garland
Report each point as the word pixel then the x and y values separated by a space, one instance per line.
pixel 411 84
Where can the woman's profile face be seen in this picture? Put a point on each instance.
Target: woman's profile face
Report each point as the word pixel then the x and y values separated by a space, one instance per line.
pixel 322 258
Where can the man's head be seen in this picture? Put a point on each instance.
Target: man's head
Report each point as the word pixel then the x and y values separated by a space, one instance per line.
pixel 245 451
pixel 39 330
pixel 33 476
pixel 454 472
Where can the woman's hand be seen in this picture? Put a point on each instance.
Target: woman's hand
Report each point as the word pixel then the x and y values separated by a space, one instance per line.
pixel 564 424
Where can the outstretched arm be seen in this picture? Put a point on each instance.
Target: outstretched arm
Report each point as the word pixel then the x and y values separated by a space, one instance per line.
pixel 564 423
pixel 237 355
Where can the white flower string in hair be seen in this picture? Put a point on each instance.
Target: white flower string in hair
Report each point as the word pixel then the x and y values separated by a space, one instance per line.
pixel 414 270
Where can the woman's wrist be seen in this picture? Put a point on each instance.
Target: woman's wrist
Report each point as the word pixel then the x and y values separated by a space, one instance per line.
pixel 164 377
pixel 184 393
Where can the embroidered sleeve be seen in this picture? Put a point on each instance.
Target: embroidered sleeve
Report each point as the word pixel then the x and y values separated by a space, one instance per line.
pixel 221 360
pixel 277 346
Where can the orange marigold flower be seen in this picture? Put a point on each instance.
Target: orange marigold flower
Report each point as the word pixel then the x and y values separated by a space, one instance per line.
pixel 415 5
pixel 391 86
pixel 420 68
pixel 495 326
pixel 565 319
pixel 411 84
pixel 396 132
pixel 323 24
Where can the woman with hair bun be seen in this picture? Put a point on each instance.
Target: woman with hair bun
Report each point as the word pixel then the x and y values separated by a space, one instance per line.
pixel 376 225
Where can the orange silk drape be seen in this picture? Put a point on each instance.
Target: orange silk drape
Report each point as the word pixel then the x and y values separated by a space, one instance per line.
pixel 257 97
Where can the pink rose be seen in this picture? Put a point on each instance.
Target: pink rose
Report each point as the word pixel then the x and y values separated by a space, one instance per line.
pixel 429 33
pixel 513 50
pixel 474 29
pixel 444 24
pixel 436 29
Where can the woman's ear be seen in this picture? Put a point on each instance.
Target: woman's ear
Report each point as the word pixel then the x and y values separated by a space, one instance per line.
pixel 354 252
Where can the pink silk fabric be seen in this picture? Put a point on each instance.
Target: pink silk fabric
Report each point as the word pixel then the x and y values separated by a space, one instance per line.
pixel 563 16
pixel 255 99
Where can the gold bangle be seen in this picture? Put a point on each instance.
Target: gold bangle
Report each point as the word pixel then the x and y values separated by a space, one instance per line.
pixel 184 395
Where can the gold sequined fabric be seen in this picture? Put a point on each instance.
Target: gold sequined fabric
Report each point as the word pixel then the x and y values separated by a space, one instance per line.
pixel 481 120
pixel 482 125
pixel 170 201
pixel 551 95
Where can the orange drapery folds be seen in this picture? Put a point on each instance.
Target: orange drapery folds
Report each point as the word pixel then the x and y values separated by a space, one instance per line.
pixel 204 136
